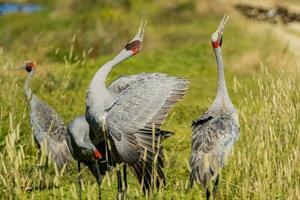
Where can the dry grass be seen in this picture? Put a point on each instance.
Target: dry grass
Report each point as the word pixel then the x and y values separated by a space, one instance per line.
pixel 264 165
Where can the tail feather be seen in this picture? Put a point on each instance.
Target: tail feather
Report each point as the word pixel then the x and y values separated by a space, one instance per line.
pixel 149 168
pixel 204 169
pixel 145 173
pixel 60 153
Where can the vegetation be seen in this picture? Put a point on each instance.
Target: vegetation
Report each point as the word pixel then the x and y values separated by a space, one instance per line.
pixel 70 40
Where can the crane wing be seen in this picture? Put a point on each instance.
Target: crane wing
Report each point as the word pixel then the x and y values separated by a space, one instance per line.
pixel 210 130
pixel 123 82
pixel 213 138
pixel 48 125
pixel 144 105
pixel 202 120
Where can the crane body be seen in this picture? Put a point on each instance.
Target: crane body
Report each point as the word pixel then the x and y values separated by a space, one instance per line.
pixel 78 133
pixel 47 126
pixel 215 132
pixel 131 120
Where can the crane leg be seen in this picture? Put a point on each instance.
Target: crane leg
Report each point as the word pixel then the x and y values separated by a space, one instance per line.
pixel 125 178
pixel 39 157
pixel 99 190
pixel 43 174
pixel 120 194
pixel 207 194
pixel 79 180
pixel 215 187
pixel 99 179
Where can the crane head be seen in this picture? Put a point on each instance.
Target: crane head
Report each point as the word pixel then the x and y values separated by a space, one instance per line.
pixel 135 45
pixel 216 37
pixel 28 66
pixel 91 153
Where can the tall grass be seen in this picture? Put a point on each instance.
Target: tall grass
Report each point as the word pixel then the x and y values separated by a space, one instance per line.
pixel 264 165
pixel 267 159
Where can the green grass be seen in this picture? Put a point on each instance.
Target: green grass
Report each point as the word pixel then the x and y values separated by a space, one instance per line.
pixel 266 160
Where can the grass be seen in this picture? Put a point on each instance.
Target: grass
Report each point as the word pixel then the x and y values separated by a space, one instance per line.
pixel 70 41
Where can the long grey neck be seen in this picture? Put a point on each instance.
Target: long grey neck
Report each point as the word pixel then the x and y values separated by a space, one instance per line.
pixel 98 81
pixel 98 98
pixel 27 87
pixel 222 99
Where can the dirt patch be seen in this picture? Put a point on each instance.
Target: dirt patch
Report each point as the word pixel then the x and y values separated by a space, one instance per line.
pixel 270 14
pixel 287 31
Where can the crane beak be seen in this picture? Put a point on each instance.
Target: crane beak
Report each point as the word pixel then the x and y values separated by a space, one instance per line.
pixel 140 34
pixel 218 35
pixel 135 45
pixel 221 27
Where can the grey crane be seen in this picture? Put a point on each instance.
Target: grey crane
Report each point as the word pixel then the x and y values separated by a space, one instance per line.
pixel 130 122
pixel 48 128
pixel 80 145
pixel 215 132
pixel 84 151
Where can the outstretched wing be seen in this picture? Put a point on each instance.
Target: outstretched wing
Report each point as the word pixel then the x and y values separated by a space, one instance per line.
pixel 144 105
pixel 123 82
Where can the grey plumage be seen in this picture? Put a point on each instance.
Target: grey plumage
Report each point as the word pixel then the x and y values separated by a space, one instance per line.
pixel 78 130
pixel 84 151
pixel 213 137
pixel 78 139
pixel 48 128
pixel 126 121
pixel 82 148
pixel 143 105
pixel 215 132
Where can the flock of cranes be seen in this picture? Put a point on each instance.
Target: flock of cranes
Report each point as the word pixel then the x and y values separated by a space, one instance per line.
pixel 122 125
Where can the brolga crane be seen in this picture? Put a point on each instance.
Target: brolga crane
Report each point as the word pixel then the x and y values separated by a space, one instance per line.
pixel 215 132
pixel 84 151
pixel 48 128
pixel 130 122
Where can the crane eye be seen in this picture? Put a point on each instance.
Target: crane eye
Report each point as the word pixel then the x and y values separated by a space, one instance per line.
pixel 136 44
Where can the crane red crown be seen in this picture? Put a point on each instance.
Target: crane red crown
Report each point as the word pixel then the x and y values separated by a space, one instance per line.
pixel 215 44
pixel 29 66
pixel 134 46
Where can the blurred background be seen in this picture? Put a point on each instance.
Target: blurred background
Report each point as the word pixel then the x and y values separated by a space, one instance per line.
pixel 69 40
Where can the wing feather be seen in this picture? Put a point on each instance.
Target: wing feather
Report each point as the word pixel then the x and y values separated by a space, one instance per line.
pixel 212 140
pixel 143 104
pixel 48 126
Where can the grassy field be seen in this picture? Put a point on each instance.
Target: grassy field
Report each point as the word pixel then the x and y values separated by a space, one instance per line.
pixel 70 40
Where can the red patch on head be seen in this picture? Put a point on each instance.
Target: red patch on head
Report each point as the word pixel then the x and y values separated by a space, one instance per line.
pixel 97 155
pixel 216 44
pixel 29 66
pixel 134 46
pixel 135 51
